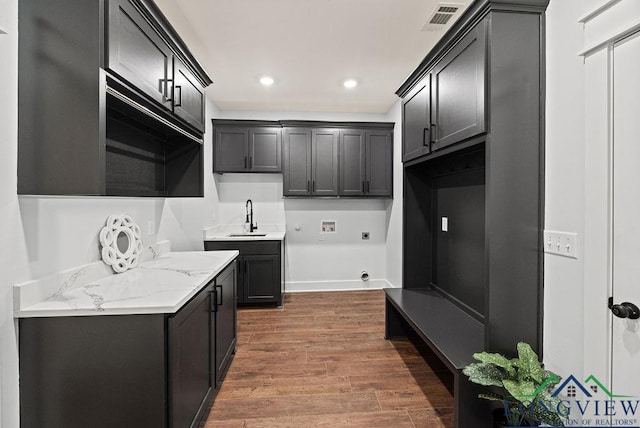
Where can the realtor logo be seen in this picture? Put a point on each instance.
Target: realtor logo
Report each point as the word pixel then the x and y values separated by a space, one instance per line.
pixel 590 403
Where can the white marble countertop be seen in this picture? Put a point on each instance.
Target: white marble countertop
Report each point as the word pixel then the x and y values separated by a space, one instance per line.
pixel 267 232
pixel 161 285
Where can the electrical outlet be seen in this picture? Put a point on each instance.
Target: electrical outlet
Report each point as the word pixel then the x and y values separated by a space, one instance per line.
pixel 365 235
pixel 321 237
pixel 151 227
pixel 561 243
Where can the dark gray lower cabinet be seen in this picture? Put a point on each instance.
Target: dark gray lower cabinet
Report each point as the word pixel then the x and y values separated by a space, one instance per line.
pixel 261 269
pixel 190 370
pixel 225 321
pixel 156 370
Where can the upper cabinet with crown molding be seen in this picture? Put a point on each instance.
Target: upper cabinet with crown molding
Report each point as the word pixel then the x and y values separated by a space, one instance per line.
pixel 112 104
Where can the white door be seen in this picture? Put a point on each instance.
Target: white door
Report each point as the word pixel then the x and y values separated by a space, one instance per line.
pixel 625 333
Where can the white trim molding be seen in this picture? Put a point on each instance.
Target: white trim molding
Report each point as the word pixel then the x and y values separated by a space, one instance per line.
pixel 346 285
pixel 612 21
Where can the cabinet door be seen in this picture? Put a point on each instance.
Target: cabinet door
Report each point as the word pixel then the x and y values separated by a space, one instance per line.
pixel 416 122
pixel 352 163
pixel 261 278
pixel 138 54
pixel 324 167
pixel 225 320
pixel 297 162
pixel 458 90
pixel 190 371
pixel 265 150
pixel 230 149
pixel 188 96
pixel 379 163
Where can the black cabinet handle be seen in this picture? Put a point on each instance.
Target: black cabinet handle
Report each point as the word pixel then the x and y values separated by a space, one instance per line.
pixel 363 187
pixel 308 183
pixel 245 162
pixel 367 187
pixel 218 296
pixel 213 301
pixel 432 133
pixel 177 95
pixel 426 140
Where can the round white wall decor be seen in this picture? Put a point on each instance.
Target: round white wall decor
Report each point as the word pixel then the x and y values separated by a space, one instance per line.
pixel 121 243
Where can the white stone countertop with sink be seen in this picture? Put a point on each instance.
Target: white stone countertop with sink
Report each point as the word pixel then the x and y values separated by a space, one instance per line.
pixel 237 232
pixel 161 284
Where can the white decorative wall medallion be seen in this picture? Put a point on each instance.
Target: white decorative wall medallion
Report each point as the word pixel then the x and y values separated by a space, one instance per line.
pixel 121 243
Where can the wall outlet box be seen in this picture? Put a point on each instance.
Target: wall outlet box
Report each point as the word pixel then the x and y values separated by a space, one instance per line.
pixel 561 243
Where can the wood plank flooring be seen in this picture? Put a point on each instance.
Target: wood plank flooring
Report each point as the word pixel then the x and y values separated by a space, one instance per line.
pixel 322 360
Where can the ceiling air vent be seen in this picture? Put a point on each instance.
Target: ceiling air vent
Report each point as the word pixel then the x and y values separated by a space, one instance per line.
pixel 441 16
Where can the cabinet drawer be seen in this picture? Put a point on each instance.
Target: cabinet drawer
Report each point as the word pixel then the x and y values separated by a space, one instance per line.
pixel 254 247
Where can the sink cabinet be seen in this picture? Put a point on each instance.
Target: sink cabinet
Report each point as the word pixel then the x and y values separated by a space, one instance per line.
pixel 159 370
pixel 260 269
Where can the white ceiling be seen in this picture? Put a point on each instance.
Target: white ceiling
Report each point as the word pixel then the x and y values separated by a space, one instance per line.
pixel 309 47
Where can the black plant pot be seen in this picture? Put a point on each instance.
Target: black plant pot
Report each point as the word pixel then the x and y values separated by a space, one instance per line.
pixel 500 420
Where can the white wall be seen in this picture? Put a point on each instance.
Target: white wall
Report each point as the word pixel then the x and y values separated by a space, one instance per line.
pixel 13 263
pixel 393 248
pixel 565 339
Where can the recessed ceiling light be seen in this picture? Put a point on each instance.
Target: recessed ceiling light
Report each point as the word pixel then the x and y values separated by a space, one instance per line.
pixel 350 83
pixel 266 80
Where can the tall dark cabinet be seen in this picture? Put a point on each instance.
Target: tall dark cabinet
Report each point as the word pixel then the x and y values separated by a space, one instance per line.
pixel 473 153
pixel 117 109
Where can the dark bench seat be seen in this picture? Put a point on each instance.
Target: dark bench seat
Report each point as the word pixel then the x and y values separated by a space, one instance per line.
pixel 453 336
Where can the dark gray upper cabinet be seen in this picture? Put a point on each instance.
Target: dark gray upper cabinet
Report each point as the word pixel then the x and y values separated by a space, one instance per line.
pixel 137 53
pixel 416 121
pixel 458 90
pixel 352 163
pixel 366 163
pixel 324 162
pixel 230 149
pixel 120 110
pixel 247 146
pixel 379 163
pixel 265 149
pixel 297 162
pixel 188 95
pixel 342 159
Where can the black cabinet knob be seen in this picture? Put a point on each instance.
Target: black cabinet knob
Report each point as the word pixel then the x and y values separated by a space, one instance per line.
pixel 625 310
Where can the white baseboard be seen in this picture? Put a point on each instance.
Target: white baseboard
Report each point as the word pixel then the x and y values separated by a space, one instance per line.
pixel 348 285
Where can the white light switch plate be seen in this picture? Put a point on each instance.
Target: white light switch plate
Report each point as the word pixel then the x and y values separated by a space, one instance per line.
pixel 561 243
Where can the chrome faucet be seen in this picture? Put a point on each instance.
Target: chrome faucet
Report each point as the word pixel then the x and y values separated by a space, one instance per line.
pixel 249 208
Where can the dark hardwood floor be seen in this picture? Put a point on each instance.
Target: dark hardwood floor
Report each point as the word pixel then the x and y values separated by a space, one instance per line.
pixel 323 361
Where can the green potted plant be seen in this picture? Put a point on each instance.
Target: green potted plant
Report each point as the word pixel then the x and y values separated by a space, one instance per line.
pixel 521 384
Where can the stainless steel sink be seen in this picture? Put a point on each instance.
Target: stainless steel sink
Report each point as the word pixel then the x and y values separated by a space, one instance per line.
pixel 245 234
